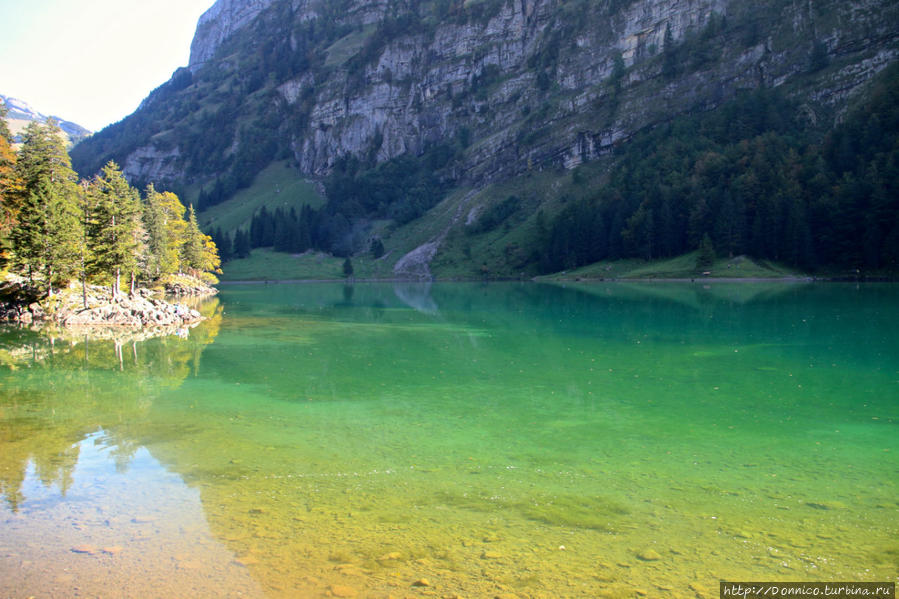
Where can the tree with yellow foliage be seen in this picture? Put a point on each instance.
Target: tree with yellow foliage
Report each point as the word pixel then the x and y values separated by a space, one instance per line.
pixel 10 183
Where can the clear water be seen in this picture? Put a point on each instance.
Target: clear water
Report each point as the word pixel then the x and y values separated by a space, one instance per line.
pixel 460 440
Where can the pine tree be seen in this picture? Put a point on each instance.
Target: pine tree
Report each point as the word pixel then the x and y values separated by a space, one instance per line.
pixel 47 232
pixel 192 248
pixel 377 248
pixel 84 213
pixel 241 244
pixel 114 227
pixel 163 217
pixel 224 244
pixel 46 237
pixel 304 232
pixel 706 257
pixel 199 253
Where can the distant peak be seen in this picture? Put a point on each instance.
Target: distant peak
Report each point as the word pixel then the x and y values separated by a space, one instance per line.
pixel 22 111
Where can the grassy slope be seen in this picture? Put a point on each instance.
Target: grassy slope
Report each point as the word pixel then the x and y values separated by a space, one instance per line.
pixel 266 265
pixel 463 255
pixel 348 46
pixel 278 186
pixel 502 251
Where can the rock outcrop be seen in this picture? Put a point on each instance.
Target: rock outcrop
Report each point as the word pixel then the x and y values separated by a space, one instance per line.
pixel 528 84
pixel 138 311
pixel 95 306
pixel 218 23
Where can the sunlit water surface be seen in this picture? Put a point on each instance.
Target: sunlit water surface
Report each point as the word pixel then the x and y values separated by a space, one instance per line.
pixel 465 440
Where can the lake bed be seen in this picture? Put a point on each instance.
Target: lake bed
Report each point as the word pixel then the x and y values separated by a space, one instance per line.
pixel 460 439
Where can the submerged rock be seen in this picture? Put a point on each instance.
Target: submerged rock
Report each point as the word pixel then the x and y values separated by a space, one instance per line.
pixel 649 555
pixel 342 590
pixel 827 505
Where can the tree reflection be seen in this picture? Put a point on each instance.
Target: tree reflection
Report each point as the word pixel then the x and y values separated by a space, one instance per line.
pixel 59 386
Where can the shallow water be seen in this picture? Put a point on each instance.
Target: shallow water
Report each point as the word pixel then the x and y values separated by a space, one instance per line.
pixel 460 439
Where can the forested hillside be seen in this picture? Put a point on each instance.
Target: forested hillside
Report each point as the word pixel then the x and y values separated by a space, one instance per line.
pixel 520 137
pixel 752 177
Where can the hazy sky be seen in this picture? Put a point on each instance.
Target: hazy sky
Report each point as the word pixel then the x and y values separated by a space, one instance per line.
pixel 92 61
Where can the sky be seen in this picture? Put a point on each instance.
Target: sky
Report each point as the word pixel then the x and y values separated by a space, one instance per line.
pixel 92 61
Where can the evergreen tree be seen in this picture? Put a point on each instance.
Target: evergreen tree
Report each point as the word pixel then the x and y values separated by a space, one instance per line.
pixel 192 249
pixel 257 228
pixel 45 237
pixel 47 234
pixel 163 217
pixel 285 227
pixel 43 156
pixel 348 267
pixel 377 248
pixel 114 227
pixel 241 244
pixel 225 246
pixel 669 54
pixel 305 225
pixel 198 254
pixel 706 257
pixel 85 199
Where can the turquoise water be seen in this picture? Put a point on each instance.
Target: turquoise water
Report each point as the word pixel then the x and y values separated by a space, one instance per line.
pixel 461 439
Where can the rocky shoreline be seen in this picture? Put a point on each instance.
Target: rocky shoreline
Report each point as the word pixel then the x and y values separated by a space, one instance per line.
pixel 68 308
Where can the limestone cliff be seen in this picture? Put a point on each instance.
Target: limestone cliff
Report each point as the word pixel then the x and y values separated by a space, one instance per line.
pixel 524 83
pixel 223 19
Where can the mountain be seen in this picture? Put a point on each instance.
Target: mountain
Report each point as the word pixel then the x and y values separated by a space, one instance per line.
pixel 397 104
pixel 21 113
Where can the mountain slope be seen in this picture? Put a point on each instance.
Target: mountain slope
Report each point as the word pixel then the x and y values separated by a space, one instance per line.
pixel 470 94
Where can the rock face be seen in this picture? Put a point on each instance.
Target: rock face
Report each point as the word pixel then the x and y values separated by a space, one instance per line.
pixel 220 22
pixel 151 163
pixel 527 84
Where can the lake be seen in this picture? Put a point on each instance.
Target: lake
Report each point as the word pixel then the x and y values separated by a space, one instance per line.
pixel 459 439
